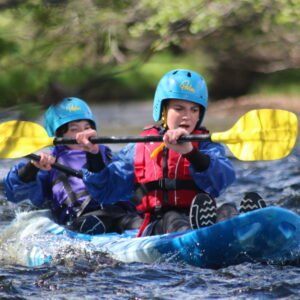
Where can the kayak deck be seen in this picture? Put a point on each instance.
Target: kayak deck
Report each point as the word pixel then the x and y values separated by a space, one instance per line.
pixel 268 235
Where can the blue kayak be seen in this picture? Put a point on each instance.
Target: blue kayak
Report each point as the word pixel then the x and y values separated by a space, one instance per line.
pixel 268 235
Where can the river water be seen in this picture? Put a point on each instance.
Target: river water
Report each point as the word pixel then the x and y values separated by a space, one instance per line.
pixel 95 276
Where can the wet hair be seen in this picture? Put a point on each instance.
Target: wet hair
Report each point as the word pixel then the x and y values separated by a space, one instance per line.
pixel 64 128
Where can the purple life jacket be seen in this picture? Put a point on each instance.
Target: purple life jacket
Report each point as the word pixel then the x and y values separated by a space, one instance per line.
pixel 69 195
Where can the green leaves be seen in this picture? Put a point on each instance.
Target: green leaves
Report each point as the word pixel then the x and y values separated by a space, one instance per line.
pixel 55 39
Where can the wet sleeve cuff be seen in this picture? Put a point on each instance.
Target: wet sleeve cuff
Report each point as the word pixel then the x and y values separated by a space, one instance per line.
pixel 28 172
pixel 94 162
pixel 198 160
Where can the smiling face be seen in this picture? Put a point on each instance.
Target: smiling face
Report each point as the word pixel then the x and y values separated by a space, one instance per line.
pixel 184 114
pixel 74 128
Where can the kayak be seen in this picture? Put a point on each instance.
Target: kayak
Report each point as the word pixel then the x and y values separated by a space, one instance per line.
pixel 268 235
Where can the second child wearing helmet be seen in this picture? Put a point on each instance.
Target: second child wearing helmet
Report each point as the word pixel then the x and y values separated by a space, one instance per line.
pixel 175 183
pixel 68 198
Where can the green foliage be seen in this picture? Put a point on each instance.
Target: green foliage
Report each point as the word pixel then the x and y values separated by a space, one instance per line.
pixel 165 61
pixel 284 82
pixel 18 83
pixel 205 17
pixel 90 47
pixel 7 47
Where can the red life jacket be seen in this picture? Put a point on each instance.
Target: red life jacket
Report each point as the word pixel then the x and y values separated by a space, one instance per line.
pixel 165 179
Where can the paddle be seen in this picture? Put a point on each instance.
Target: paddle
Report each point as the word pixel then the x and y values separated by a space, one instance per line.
pixel 60 167
pixel 263 134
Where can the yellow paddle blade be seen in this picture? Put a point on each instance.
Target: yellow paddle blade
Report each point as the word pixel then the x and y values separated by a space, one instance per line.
pixel 20 138
pixel 264 134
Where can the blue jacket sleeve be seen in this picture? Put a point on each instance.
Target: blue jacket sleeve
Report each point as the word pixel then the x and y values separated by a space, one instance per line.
pixel 220 173
pixel 116 181
pixel 16 190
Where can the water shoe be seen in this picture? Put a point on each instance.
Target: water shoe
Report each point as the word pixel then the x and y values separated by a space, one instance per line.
pixel 251 201
pixel 203 211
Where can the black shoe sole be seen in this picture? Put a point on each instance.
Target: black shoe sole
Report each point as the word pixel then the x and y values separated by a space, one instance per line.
pixel 251 201
pixel 203 211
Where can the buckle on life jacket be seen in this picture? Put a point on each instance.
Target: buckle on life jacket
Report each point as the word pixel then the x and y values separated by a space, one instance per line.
pixel 167 184
pixel 157 213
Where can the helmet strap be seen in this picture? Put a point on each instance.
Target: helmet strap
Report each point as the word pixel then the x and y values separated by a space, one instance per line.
pixel 201 117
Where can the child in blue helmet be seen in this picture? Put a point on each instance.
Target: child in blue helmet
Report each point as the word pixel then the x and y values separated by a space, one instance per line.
pixel 173 184
pixel 68 198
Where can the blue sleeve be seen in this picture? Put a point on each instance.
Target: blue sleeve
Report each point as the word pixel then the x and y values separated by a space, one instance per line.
pixel 16 190
pixel 116 181
pixel 220 173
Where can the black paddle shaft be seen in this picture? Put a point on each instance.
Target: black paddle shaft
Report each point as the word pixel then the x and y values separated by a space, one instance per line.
pixel 132 139
pixel 114 140
pixel 65 169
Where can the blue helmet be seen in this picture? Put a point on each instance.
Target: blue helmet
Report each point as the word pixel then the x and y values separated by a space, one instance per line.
pixel 183 85
pixel 68 110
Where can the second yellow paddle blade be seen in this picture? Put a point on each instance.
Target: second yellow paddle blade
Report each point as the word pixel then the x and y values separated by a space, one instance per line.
pixel 263 134
pixel 20 138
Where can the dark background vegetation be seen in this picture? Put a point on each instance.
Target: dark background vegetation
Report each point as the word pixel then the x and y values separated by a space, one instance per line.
pixel 118 49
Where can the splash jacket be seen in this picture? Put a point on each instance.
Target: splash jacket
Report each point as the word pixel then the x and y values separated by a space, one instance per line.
pixel 133 168
pixel 69 195
pixel 66 195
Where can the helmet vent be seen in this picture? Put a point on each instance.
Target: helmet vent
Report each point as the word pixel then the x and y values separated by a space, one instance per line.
pixel 174 72
pixel 189 74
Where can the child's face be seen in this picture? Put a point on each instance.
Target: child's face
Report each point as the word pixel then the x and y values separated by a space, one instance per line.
pixel 183 114
pixel 74 128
